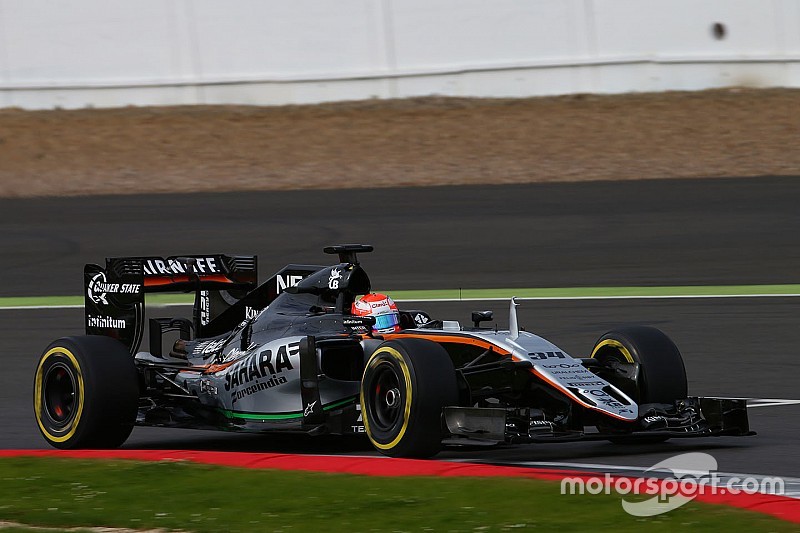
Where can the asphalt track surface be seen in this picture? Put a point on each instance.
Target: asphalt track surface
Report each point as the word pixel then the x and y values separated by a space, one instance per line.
pixel 738 231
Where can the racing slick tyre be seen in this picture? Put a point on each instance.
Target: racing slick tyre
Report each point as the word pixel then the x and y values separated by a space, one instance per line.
pixel 86 393
pixel 661 377
pixel 406 384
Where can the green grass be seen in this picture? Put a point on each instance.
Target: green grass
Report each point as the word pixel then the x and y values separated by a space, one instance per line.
pixel 191 497
pixel 456 294
pixel 598 292
pixel 53 301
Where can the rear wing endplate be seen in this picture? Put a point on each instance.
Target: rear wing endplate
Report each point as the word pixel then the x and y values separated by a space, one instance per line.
pixel 114 295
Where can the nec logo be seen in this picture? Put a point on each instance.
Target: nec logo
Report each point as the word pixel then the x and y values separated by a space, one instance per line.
pixel 284 282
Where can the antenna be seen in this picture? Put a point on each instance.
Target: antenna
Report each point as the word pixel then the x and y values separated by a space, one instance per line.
pixel 513 326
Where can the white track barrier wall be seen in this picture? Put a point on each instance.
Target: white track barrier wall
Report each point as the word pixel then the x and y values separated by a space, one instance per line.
pixel 108 53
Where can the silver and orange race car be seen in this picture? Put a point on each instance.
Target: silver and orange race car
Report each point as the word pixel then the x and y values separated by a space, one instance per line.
pixel 290 355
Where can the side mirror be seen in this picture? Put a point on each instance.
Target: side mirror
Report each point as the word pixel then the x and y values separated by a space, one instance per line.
pixel 481 316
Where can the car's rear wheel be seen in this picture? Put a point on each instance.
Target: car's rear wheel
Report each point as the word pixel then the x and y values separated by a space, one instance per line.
pixel 406 384
pixel 661 375
pixel 85 393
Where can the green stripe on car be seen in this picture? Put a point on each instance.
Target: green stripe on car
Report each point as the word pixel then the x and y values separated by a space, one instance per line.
pixel 283 416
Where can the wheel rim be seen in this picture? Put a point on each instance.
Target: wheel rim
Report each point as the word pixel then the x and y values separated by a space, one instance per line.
pixel 386 399
pixel 59 394
pixel 627 385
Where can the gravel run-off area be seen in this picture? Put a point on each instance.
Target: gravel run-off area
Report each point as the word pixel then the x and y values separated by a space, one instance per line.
pixel 414 142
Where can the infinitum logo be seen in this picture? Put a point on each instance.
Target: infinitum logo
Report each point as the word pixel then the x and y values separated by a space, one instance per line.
pixel 672 483
pixel 105 322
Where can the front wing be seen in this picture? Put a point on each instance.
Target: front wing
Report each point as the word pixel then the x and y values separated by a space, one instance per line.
pixel 692 417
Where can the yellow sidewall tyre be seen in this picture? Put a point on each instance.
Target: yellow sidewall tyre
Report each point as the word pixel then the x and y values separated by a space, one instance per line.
pixel 85 393
pixel 406 384
pixel 661 376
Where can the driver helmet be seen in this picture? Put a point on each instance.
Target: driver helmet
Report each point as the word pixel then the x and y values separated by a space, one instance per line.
pixel 382 308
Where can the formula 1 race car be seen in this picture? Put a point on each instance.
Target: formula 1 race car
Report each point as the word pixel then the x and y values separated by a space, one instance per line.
pixel 290 355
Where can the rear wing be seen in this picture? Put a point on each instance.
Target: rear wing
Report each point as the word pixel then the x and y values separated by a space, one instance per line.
pixel 225 287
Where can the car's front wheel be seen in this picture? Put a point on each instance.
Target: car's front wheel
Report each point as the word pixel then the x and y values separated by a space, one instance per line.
pixel 644 364
pixel 661 376
pixel 406 384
